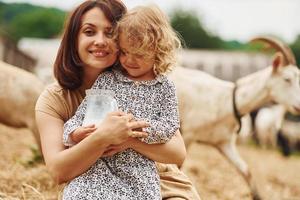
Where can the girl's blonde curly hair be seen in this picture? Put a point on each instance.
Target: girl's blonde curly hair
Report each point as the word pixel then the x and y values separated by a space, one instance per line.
pixel 148 32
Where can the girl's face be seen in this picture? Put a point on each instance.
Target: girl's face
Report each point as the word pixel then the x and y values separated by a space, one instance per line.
pixel 96 48
pixel 137 66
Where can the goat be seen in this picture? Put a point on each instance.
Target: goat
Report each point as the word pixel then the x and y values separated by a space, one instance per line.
pixel 246 131
pixel 268 123
pixel 19 91
pixel 272 129
pixel 289 136
pixel 206 103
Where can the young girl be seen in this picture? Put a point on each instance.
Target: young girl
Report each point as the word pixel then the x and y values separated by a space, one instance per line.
pixel 147 50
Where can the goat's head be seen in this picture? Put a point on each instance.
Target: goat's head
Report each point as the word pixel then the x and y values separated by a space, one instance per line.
pixel 284 85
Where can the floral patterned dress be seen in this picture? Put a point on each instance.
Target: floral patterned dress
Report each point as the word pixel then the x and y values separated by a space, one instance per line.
pixel 127 175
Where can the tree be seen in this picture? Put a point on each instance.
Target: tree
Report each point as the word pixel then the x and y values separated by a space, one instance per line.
pixel 296 49
pixel 41 23
pixel 25 20
pixel 192 31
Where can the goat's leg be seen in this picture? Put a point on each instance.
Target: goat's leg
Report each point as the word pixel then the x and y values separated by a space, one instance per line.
pixel 283 143
pixel 229 151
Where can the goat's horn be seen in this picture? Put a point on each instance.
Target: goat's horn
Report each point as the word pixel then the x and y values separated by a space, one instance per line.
pixel 279 46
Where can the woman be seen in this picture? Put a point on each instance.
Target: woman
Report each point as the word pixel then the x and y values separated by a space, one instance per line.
pixel 86 50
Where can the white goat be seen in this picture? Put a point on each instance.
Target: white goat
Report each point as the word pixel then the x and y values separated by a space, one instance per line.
pixel 291 131
pixel 272 129
pixel 206 103
pixel 246 131
pixel 19 91
pixel 268 122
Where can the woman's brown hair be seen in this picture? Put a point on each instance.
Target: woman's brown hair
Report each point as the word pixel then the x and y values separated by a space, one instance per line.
pixel 68 68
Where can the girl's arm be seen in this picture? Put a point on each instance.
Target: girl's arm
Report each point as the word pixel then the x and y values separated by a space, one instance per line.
pixel 163 127
pixel 73 124
pixel 172 152
pixel 66 164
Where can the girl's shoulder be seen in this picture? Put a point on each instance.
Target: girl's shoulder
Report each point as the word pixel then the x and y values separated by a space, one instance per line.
pixel 166 81
pixel 106 78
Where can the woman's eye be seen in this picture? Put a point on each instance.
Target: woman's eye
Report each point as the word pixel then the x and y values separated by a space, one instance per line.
pixel 287 80
pixel 89 32
pixel 122 52
pixel 109 33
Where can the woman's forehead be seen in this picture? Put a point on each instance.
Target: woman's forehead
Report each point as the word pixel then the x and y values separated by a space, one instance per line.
pixel 95 17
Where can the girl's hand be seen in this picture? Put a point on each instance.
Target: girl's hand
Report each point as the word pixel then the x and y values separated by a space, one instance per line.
pixel 82 132
pixel 114 149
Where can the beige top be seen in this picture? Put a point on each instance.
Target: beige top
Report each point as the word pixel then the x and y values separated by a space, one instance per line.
pixel 58 102
pixel 62 104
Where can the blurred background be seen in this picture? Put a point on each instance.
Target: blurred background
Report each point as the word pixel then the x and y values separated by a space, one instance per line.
pixel 215 36
pixel 215 33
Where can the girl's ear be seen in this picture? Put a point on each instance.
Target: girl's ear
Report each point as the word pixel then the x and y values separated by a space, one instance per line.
pixel 278 61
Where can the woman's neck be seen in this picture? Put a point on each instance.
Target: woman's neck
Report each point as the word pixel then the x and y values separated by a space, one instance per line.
pixel 90 77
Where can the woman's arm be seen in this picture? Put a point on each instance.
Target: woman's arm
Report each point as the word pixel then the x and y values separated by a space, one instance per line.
pixel 66 164
pixel 172 152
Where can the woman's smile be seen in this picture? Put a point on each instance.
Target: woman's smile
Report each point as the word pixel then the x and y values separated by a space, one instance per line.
pixel 99 53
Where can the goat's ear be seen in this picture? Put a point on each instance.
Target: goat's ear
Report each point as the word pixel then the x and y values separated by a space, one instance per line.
pixel 278 61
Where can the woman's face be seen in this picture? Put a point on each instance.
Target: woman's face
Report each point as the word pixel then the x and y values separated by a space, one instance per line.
pixel 96 48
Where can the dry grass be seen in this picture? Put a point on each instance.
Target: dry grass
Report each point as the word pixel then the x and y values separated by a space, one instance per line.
pixel 278 178
pixel 18 178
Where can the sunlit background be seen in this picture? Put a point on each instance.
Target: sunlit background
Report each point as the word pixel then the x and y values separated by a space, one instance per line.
pixel 215 36
pixel 229 19
pixel 35 26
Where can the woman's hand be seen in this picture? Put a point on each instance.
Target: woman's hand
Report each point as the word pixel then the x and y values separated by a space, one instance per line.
pixel 121 123
pixel 117 128
pixel 172 152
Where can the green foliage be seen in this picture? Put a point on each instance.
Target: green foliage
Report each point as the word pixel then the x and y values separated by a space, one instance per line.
pixel 296 49
pixel 9 11
pixel 39 23
pixel 236 45
pixel 233 44
pixel 195 35
pixel 25 20
pixel 193 32
pixel 33 160
pixel 36 157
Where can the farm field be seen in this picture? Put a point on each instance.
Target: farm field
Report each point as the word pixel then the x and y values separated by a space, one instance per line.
pixel 278 178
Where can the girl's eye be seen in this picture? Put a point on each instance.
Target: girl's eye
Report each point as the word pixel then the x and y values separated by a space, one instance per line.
pixel 139 56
